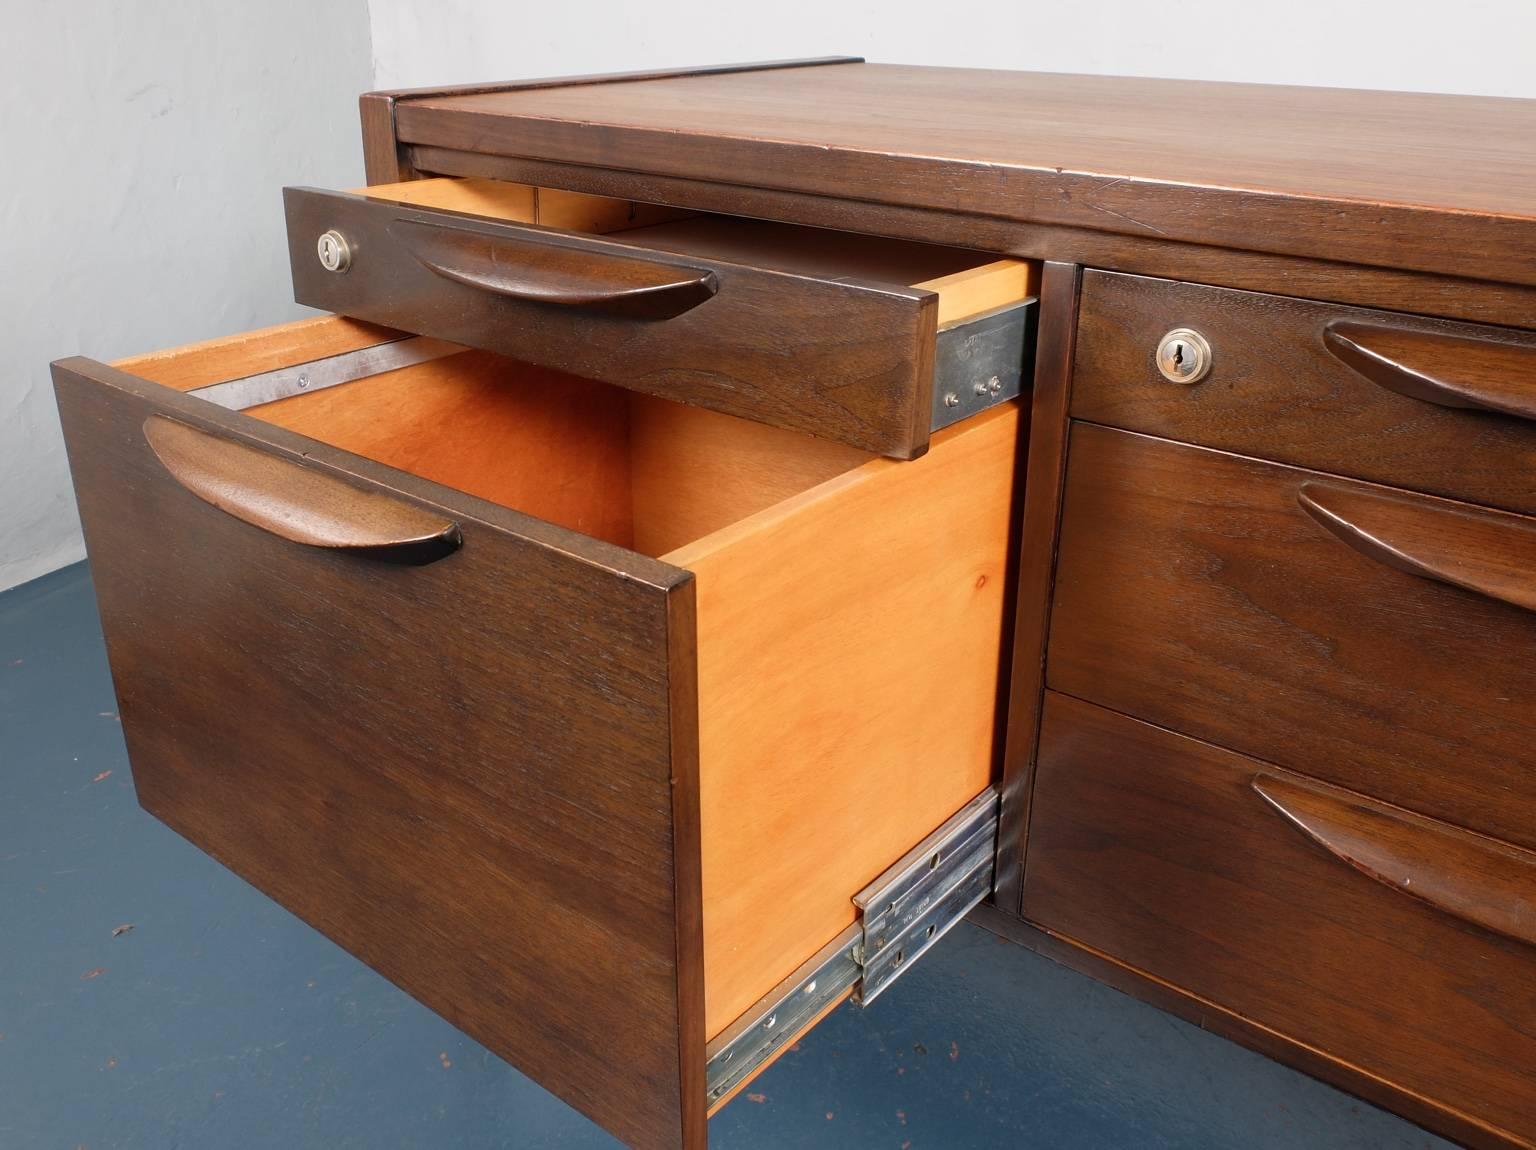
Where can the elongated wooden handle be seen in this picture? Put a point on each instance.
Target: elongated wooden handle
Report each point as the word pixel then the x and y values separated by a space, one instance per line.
pixel 1448 370
pixel 300 504
pixel 1489 552
pixel 563 272
pixel 1475 878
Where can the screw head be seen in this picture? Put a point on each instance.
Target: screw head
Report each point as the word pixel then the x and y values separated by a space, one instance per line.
pixel 334 251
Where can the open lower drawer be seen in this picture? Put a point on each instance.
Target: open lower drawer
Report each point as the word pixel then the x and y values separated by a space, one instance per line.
pixel 581 715
pixel 868 341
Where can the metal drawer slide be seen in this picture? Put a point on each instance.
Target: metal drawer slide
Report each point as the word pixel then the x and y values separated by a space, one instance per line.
pixel 901 914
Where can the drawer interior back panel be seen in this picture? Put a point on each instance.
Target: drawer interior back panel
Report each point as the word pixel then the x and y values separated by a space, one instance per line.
pixel 872 342
pixel 581 715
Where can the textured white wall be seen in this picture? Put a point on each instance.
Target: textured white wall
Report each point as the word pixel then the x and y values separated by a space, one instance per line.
pixel 145 144
pixel 1473 46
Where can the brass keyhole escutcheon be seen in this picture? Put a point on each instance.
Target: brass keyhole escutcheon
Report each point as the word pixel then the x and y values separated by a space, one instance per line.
pixel 1184 356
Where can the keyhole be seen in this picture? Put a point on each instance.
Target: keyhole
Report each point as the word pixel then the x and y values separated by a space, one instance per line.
pixel 335 255
pixel 1183 356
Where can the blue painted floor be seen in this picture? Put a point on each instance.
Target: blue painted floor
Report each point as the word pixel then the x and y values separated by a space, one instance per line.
pixel 150 999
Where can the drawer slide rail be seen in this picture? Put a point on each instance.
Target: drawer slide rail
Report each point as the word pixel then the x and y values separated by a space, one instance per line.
pixel 901 915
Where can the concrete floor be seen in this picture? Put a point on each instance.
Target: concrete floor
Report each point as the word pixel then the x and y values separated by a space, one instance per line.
pixel 148 998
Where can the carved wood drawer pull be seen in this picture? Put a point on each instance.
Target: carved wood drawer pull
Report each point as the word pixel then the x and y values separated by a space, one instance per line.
pixel 1489 552
pixel 560 271
pixel 1477 879
pixel 1448 370
pixel 297 503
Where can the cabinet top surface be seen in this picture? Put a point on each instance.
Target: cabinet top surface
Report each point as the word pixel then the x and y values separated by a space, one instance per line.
pixel 1235 165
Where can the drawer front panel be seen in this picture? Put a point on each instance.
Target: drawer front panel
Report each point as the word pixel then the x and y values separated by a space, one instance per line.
pixel 391 726
pixel 1165 853
pixel 1430 405
pixel 1372 638
pixel 842 359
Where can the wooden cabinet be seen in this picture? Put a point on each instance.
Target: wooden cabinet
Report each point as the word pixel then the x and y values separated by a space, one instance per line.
pixel 707 586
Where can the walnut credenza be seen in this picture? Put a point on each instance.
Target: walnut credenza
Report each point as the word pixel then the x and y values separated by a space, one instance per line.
pixel 736 521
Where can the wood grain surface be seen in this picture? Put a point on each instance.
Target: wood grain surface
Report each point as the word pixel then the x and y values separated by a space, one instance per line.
pixel 403 756
pixel 1277 390
pixel 296 503
pixel 1447 369
pixel 1155 850
pixel 1428 182
pixel 1490 553
pixel 1194 591
pixel 850 642
pixel 1459 1126
pixel 863 352
pixel 550 445
pixel 1471 877
pixel 228 357
pixel 1451 296
pixel 1045 469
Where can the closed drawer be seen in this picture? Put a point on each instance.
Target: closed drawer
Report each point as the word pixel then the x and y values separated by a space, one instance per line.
pixel 1430 405
pixel 1377 639
pixel 872 342
pixel 1398 944
pixel 579 714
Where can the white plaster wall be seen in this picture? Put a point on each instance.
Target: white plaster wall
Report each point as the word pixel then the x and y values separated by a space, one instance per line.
pixel 1485 47
pixel 143 148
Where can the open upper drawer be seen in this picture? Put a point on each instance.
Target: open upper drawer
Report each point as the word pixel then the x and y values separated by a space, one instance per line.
pixel 590 719
pixel 872 342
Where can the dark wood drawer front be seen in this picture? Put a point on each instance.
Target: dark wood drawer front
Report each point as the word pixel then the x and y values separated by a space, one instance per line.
pixel 826 354
pixel 1373 638
pixel 1430 405
pixel 1183 860
pixel 381 702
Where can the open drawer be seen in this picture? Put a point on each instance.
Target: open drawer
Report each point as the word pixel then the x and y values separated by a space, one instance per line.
pixel 868 341
pixel 581 715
